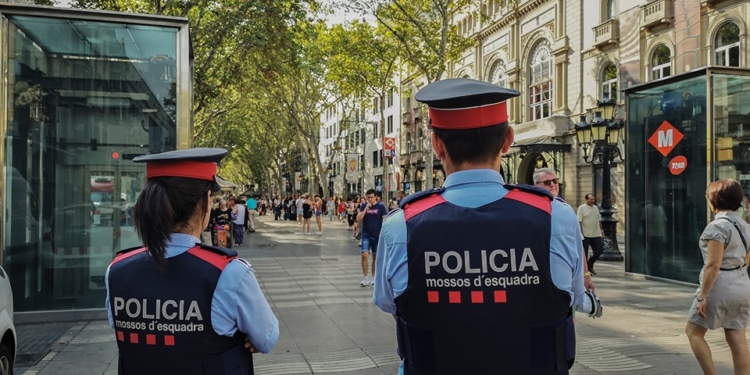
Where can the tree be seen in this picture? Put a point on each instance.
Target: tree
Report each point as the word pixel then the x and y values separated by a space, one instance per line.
pixel 234 41
pixel 362 62
pixel 427 34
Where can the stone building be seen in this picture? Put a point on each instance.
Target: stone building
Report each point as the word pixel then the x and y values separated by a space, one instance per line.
pixel 564 56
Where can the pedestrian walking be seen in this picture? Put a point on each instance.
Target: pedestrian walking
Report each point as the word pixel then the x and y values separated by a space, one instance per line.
pixel 318 205
pixel 591 226
pixel 546 178
pixel 483 294
pixel 239 212
pixel 307 213
pixel 178 306
pixel 331 207
pixel 723 298
pixel 252 205
pixel 371 215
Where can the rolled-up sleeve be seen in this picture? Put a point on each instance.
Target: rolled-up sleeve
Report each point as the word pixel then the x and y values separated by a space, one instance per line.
pixel 239 304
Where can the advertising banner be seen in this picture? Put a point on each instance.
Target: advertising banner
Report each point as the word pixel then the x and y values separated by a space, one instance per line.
pixel 297 180
pixel 352 167
pixel 389 147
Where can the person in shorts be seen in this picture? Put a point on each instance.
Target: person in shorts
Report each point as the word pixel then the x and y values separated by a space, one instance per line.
pixel 371 214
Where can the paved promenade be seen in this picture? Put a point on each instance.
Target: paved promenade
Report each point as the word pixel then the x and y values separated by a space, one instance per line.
pixel 329 325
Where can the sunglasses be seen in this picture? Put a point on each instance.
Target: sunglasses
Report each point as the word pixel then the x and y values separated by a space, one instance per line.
pixel 555 181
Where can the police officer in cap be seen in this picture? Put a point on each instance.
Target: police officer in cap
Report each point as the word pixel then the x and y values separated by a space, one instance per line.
pixel 480 276
pixel 179 306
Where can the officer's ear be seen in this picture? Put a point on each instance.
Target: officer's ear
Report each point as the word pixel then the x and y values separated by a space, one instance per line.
pixel 509 138
pixel 438 146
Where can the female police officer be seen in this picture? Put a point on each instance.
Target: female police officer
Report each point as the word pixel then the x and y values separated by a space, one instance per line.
pixel 178 306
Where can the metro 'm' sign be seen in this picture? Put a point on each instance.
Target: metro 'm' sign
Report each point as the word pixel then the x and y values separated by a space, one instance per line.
pixel 665 138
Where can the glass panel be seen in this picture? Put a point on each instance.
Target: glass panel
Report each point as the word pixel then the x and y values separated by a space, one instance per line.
pixel 666 211
pixel 732 132
pixel 86 98
pixel 734 56
pixel 721 58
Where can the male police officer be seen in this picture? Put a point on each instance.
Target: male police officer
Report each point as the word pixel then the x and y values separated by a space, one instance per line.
pixel 480 276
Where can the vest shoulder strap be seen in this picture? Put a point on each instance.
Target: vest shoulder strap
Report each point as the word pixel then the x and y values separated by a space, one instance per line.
pixel 417 203
pixel 417 196
pixel 127 253
pixel 218 257
pixel 531 195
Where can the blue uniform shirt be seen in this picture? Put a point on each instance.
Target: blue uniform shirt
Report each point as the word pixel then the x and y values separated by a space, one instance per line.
pixel 475 188
pixel 238 303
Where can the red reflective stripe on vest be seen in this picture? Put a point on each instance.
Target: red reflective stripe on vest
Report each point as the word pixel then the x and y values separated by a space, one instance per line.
pixel 531 199
pixel 217 260
pixel 421 205
pixel 127 255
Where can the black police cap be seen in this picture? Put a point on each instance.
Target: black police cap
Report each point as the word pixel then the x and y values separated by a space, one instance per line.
pixel 198 163
pixel 462 103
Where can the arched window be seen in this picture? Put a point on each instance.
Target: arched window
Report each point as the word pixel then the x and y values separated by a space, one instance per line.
pixel 661 64
pixel 497 74
pixel 727 45
pixel 540 87
pixel 609 82
pixel 611 10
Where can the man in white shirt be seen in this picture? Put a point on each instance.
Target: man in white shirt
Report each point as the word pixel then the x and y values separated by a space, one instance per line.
pixel 591 227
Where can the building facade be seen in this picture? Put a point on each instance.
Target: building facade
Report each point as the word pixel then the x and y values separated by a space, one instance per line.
pixel 85 92
pixel 564 57
pixel 352 147
pixel 534 46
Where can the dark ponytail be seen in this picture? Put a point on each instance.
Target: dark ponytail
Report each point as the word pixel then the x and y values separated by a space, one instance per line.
pixel 165 206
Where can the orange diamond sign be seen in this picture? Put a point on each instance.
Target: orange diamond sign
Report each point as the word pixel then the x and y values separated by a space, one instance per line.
pixel 665 138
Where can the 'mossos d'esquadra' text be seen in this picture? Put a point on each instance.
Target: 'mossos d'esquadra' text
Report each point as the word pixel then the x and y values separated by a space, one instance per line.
pixel 483 262
pixel 178 313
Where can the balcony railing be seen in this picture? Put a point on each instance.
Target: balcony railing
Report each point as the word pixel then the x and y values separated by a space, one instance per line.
pixel 656 13
pixel 607 33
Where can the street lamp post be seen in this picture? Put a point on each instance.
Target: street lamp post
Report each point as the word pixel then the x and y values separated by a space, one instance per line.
pixel 599 144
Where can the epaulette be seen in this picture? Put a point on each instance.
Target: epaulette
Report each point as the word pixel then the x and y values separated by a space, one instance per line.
pixel 530 189
pixel 218 250
pixel 419 195
pixel 125 251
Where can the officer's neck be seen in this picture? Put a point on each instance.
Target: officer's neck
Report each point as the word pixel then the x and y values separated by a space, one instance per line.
pixel 451 167
pixel 193 228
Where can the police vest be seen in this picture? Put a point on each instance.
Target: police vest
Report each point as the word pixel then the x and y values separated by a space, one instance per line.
pixel 163 318
pixel 480 297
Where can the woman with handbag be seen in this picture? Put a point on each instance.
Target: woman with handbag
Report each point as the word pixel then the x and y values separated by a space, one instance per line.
pixel 723 298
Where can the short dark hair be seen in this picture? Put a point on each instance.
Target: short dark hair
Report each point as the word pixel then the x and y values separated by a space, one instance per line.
pixel 474 145
pixel 165 205
pixel 585 197
pixel 725 194
pixel 370 191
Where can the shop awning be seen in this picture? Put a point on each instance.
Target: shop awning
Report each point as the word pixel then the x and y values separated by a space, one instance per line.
pixel 545 143
pixel 224 183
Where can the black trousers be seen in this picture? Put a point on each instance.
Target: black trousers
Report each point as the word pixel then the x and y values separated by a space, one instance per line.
pixel 597 247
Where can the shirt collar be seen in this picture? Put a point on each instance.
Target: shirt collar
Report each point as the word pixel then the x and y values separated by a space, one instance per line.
pixel 180 243
pixel 473 176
